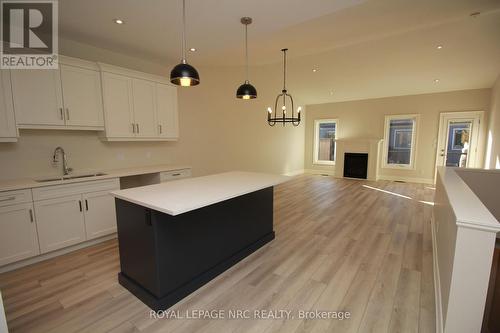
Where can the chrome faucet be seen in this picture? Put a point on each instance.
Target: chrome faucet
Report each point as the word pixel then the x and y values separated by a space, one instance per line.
pixel 55 160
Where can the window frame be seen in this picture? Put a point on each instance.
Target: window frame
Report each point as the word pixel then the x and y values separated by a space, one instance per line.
pixel 317 123
pixel 414 140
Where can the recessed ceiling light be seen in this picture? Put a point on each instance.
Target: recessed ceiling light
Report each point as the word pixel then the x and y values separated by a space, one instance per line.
pixel 439 47
pixel 314 70
pixel 192 49
pixel 331 92
pixel 436 80
pixel 118 21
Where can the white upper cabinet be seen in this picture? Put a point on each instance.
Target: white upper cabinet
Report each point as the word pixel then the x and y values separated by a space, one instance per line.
pixel 138 106
pixel 119 114
pixel 37 97
pixel 82 96
pixel 67 98
pixel 144 97
pixel 8 130
pixel 166 106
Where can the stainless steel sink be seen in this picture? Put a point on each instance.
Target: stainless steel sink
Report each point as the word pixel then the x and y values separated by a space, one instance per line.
pixel 68 177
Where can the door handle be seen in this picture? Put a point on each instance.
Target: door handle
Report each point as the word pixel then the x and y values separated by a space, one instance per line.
pixel 86 204
pixel 31 215
pixel 80 203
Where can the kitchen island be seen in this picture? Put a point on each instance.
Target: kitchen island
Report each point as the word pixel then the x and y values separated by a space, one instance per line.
pixel 175 237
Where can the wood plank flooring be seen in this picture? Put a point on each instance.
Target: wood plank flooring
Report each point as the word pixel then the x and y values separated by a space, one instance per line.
pixel 341 245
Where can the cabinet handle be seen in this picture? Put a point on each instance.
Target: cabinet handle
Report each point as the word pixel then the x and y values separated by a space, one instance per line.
pixel 67 113
pixel 61 113
pixel 176 174
pixel 133 128
pixel 138 130
pixel 86 205
pixel 31 215
pixel 159 127
pixel 7 199
pixel 80 202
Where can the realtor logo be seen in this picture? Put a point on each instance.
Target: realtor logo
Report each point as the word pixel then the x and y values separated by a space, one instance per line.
pixel 29 34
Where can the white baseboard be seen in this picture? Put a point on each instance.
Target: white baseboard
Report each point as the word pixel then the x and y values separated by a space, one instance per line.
pixel 407 179
pixel 294 173
pixel 320 172
pixel 437 283
pixel 30 261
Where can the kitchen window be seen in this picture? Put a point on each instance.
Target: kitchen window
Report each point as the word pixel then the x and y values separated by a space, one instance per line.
pixel 400 141
pixel 325 131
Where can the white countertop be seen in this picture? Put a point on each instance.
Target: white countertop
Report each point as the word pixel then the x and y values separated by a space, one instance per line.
pixel 24 183
pixel 184 195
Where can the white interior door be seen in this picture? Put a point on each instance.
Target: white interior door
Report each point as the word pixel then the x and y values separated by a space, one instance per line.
pixel 458 139
pixel 82 96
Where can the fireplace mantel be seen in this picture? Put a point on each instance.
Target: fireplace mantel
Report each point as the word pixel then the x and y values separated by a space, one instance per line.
pixel 359 145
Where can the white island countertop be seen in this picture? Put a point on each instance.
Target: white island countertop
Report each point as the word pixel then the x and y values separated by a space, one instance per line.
pixel 184 195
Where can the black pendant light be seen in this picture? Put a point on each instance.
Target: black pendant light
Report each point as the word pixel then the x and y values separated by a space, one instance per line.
pixel 184 74
pixel 272 119
pixel 246 90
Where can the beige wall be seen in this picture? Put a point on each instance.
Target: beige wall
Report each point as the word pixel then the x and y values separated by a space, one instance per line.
pixel 217 131
pixel 492 155
pixel 365 119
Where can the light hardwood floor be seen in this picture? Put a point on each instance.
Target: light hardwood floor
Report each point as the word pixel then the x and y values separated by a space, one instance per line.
pixel 340 245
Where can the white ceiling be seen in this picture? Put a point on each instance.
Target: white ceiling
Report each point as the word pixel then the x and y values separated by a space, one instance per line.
pixel 362 48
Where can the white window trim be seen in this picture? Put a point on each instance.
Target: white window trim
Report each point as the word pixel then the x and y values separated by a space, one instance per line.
pixel 317 122
pixel 414 140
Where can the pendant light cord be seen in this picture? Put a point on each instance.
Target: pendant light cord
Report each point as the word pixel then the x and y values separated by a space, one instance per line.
pixel 246 49
pixel 284 69
pixel 184 31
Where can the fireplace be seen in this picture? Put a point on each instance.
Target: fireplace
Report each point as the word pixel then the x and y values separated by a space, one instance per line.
pixel 355 165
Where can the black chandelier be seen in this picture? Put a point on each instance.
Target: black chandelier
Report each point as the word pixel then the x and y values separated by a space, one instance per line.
pixel 272 119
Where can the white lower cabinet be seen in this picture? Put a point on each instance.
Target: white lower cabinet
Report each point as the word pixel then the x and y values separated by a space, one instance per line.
pixel 73 213
pixel 18 236
pixel 100 214
pixel 60 222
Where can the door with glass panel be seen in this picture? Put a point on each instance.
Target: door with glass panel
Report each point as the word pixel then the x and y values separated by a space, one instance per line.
pixel 458 139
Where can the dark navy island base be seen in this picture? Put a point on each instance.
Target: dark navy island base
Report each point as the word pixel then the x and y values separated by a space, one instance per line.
pixel 164 258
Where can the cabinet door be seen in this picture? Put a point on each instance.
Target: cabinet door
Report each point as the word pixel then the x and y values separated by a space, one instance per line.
pixel 82 96
pixel 7 120
pixel 100 214
pixel 118 111
pixel 37 96
pixel 18 237
pixel 166 111
pixel 60 222
pixel 144 93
